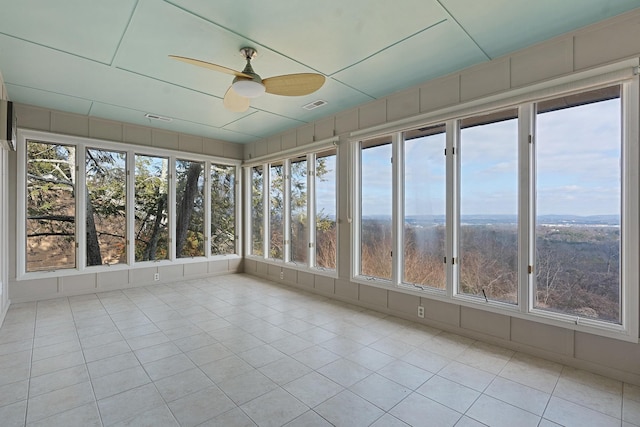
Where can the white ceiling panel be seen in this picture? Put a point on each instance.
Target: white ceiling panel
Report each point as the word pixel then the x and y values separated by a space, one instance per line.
pixel 262 124
pixel 443 49
pixel 89 29
pixel 500 27
pixel 46 99
pixel 314 32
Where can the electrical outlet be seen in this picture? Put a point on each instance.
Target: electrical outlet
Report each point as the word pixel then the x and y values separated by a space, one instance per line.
pixel 156 276
pixel 281 275
pixel 421 312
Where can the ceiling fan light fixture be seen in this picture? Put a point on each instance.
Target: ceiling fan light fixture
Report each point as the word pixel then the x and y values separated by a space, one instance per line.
pixel 248 88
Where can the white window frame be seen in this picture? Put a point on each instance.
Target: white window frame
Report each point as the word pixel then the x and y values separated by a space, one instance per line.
pixel 524 100
pixel 81 144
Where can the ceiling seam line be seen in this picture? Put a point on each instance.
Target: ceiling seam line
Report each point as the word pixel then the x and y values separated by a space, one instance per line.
pixel 49 91
pixel 389 47
pixel 166 82
pixel 254 42
pixel 464 30
pixel 54 49
pixel 124 33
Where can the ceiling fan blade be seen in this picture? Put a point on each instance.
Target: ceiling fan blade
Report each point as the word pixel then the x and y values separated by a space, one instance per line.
pixel 209 65
pixel 234 102
pixel 294 84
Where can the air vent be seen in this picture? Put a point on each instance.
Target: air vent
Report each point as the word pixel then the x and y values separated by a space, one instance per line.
pixel 157 117
pixel 315 104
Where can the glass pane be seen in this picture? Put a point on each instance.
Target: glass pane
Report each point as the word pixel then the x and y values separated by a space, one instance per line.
pixel 488 252
pixel 424 207
pixel 106 210
pixel 223 209
pixel 276 211
pixel 151 216
pixel 257 210
pixel 578 185
pixel 298 197
pixel 189 208
pixel 326 212
pixel 375 203
pixel 51 206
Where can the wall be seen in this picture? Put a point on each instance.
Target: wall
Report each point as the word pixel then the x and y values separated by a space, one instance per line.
pixel 594 46
pixel 35 118
pixel 4 213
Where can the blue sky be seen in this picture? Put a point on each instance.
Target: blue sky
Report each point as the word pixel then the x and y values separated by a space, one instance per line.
pixel 578 158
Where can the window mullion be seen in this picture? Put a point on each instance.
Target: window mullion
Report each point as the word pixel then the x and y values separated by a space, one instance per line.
pixel 452 204
pixel 286 220
pixel 81 207
pixel 311 210
pixel 397 210
pixel 266 209
pixel 526 202
pixel 130 210
pixel 208 235
pixel 171 208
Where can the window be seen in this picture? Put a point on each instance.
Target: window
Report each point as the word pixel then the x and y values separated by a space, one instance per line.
pixel 488 246
pixel 376 208
pixel 326 244
pixel 424 207
pixel 189 208
pixel 106 207
pixel 151 208
pixel 223 209
pixel 578 205
pixel 529 209
pixel 298 222
pixel 50 206
pixel 95 204
pixel 276 211
pixel 257 210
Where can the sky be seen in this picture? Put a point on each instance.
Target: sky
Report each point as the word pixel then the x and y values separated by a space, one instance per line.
pixel 578 167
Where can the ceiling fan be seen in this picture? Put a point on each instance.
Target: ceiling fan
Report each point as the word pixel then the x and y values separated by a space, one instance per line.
pixel 247 84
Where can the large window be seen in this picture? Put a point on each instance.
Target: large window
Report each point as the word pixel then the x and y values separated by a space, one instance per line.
pixel 424 207
pixel 223 209
pixel 51 206
pixel 257 210
pixel 189 208
pixel 488 246
pixel 106 207
pixel 276 211
pixel 578 205
pixel 94 204
pixel 298 222
pixel 531 209
pixel 298 188
pixel 326 244
pixel 151 208
pixel 375 208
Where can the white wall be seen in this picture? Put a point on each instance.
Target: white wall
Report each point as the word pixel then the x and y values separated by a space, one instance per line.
pixel 35 118
pixel 595 46
pixel 4 214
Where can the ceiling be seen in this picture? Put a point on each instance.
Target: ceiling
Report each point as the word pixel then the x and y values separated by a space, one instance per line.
pixel 109 59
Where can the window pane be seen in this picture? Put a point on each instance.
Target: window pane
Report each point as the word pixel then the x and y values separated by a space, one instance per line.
pixel 375 203
pixel 424 207
pixel 189 208
pixel 276 210
pixel 326 212
pixel 298 197
pixel 257 210
pixel 578 185
pixel 106 209
pixel 151 189
pixel 223 209
pixel 488 252
pixel 51 206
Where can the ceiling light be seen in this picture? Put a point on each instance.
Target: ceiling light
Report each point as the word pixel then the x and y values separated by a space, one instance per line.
pixel 248 88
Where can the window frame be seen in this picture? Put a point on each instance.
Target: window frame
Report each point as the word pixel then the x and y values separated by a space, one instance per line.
pixel 81 145
pixel 524 308
pixel 310 155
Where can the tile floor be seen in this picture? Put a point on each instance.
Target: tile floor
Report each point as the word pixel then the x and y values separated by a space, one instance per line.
pixel 239 351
